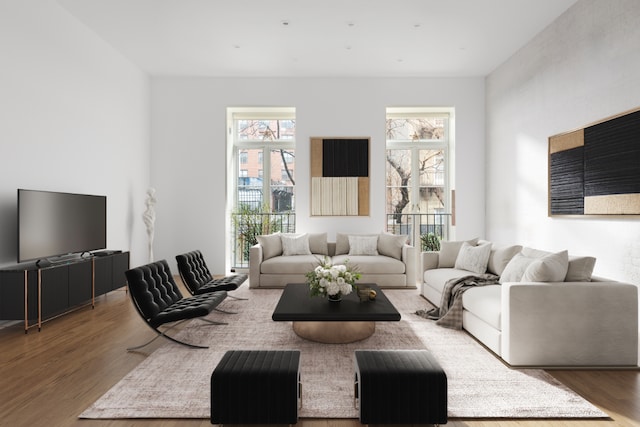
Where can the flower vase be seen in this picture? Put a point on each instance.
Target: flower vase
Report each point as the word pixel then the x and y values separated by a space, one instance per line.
pixel 335 298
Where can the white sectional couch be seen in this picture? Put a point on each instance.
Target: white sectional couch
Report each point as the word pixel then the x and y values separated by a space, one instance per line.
pixel 384 259
pixel 547 310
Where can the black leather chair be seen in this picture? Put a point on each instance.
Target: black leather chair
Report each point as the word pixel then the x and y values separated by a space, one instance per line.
pixel 159 301
pixel 197 278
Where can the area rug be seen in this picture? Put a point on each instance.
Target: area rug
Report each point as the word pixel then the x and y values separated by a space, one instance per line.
pixel 174 381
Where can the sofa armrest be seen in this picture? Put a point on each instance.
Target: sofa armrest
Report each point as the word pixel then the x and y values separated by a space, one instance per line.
pixel 409 259
pixel 570 324
pixel 428 261
pixel 255 259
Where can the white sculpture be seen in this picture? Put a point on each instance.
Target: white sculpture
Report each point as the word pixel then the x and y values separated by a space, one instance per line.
pixel 149 217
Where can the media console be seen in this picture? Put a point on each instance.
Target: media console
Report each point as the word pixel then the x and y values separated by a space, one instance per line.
pixel 35 294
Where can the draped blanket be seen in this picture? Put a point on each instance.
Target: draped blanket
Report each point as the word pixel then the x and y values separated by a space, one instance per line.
pixel 449 315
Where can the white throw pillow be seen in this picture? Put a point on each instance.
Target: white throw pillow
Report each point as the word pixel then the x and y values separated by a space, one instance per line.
pixel 295 244
pixel 363 245
pixel 271 245
pixel 550 268
pixel 449 252
pixel 473 258
pixel 515 269
pixel 580 269
pixel 391 245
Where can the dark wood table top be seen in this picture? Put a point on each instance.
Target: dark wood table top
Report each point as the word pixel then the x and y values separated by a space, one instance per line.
pixel 296 304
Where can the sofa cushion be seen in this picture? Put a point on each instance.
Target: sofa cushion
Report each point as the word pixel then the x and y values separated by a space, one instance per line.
pixel 295 244
pixel 363 245
pixel 391 244
pixel 297 264
pixel 438 277
pixel 485 303
pixel 318 243
pixel 378 264
pixel 580 269
pixel 550 268
pixel 449 252
pixel 473 258
pixel 500 257
pixel 271 245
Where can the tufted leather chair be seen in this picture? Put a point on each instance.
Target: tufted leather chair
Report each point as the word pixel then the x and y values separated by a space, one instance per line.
pixel 197 278
pixel 159 301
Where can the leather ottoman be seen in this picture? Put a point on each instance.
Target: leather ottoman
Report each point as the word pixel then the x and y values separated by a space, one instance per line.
pixel 256 387
pixel 400 387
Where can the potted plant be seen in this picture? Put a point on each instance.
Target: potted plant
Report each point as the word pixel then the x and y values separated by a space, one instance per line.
pixel 430 242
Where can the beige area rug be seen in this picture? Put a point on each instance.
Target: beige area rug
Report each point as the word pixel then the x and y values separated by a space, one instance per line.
pixel 174 381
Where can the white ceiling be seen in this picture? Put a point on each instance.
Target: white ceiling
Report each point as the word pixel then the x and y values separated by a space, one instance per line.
pixel 320 38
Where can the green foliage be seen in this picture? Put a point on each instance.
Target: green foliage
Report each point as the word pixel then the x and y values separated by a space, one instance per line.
pixel 430 242
pixel 249 223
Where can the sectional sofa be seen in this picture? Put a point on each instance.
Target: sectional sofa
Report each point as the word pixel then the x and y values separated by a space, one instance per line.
pixel 546 309
pixel 384 259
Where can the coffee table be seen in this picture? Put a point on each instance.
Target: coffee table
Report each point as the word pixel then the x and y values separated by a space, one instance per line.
pixel 320 320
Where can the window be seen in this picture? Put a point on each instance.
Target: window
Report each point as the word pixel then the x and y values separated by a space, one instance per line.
pixel 418 142
pixel 261 179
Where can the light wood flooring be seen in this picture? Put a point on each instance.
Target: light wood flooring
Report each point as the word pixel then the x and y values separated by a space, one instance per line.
pixel 48 378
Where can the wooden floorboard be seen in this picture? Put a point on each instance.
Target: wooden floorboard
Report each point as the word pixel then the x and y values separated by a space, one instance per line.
pixel 48 378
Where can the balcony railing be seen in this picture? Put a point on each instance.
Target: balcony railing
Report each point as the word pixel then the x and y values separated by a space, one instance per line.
pixel 416 225
pixel 246 227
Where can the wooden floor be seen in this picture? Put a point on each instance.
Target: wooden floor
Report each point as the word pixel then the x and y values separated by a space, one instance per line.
pixel 48 378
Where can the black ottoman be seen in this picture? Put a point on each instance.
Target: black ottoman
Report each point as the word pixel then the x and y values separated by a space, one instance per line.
pixel 400 387
pixel 256 387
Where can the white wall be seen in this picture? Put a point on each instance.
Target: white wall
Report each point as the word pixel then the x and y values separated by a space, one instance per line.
pixel 582 68
pixel 189 146
pixel 74 117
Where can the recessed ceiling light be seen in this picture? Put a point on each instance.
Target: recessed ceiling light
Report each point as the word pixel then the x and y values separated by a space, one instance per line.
pixel 417 25
pixel 285 23
pixel 351 24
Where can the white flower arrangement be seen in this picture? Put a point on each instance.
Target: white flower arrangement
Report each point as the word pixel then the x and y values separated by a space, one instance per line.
pixel 332 280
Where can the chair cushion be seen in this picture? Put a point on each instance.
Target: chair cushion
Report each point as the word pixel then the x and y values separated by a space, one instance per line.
pixel 193 270
pixel 189 308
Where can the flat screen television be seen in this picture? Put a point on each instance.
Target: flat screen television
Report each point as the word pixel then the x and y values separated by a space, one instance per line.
pixel 52 224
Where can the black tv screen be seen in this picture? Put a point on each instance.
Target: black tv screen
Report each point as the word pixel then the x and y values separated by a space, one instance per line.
pixel 52 224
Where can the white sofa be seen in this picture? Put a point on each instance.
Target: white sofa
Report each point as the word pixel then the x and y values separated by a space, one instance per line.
pixel 533 318
pixel 384 259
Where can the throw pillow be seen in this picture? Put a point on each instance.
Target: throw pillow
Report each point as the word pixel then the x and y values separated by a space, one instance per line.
pixel 500 257
pixel 295 244
pixel 318 243
pixel 515 269
pixel 363 245
pixel 473 258
pixel 391 245
pixel 271 245
pixel 342 242
pixel 449 252
pixel 551 268
pixel 580 269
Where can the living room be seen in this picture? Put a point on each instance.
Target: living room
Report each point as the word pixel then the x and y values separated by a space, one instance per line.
pixel 79 116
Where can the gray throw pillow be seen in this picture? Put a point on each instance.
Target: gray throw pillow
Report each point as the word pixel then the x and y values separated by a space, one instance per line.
pixel 391 244
pixel 271 245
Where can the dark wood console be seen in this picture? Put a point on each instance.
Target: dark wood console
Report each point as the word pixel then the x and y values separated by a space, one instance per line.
pixel 35 294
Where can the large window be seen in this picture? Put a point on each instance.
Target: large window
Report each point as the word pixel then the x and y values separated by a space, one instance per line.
pixel 262 175
pixel 418 142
